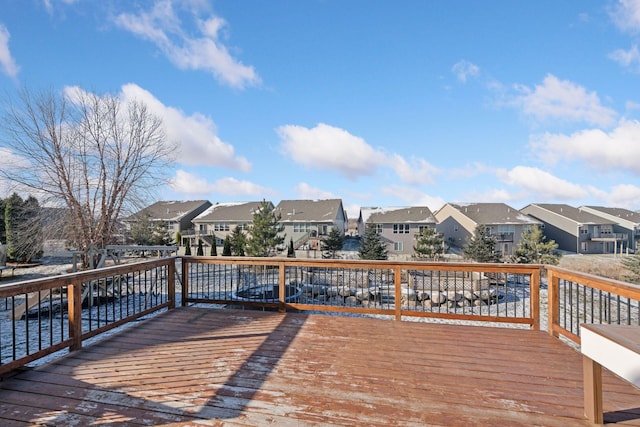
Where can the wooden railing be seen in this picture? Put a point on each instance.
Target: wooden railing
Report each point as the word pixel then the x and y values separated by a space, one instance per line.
pixel 505 293
pixel 576 298
pixel 43 316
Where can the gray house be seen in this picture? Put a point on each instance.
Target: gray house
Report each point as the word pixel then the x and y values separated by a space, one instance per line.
pixel 306 222
pixel 625 222
pixel 458 222
pixel 576 230
pixel 221 219
pixel 176 215
pixel 397 226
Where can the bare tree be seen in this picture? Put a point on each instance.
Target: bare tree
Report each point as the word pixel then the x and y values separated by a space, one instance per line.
pixel 95 155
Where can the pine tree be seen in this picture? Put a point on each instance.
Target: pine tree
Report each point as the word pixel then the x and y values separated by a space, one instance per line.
pixel 237 242
pixel 291 253
pixel 632 263
pixel 214 249
pixel 429 244
pixel 187 248
pixel 226 247
pixel 200 250
pixel 481 247
pixel 3 234
pixel 23 228
pixel 532 248
pixel 333 243
pixel 371 246
pixel 264 239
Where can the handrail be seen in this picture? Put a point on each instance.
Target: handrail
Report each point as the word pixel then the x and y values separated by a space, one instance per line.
pixel 42 316
pixel 576 298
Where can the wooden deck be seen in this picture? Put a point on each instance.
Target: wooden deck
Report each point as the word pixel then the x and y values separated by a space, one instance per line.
pixel 195 366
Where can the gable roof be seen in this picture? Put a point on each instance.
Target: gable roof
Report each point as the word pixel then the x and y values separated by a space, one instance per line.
pixel 310 210
pixel 388 215
pixel 623 214
pixel 172 210
pixel 237 212
pixel 574 214
pixel 493 213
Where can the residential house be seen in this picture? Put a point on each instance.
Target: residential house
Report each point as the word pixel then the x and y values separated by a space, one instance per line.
pixel 306 222
pixel 175 215
pixel 397 226
pixel 576 230
pixel 458 222
pixel 221 219
pixel 625 222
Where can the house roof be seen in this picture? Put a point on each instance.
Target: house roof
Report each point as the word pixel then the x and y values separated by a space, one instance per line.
pixel 621 213
pixel 574 214
pixel 310 210
pixel 172 210
pixel 389 215
pixel 493 213
pixel 236 212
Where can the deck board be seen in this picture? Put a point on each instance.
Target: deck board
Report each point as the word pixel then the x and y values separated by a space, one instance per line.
pixel 196 366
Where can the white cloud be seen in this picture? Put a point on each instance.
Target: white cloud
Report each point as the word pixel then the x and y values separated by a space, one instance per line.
pixel 620 196
pixel 465 70
pixel 626 15
pixel 616 150
pixel 495 195
pixel 627 58
pixel 7 63
pixel 557 99
pixel 196 134
pixel 190 184
pixel 413 197
pixel 205 51
pixel 306 191
pixel 541 185
pixel 418 171
pixel 330 148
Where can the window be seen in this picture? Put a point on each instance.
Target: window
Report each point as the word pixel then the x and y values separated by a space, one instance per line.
pixel 202 228
pixel 378 228
pixel 506 228
pixel 583 247
pixel 400 228
pixel 301 227
pixel 221 226
pixel 398 246
pixel 584 230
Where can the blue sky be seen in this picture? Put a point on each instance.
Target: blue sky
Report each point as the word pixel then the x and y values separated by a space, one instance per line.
pixel 380 103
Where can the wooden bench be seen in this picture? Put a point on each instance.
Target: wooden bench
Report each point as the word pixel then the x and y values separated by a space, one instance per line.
pixel 617 348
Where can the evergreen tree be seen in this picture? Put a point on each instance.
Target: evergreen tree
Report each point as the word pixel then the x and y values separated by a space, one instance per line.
pixel 371 246
pixel 3 234
pixel 214 249
pixel 178 238
pixel 481 247
pixel 226 248
pixel 237 242
pixel 23 228
pixel 532 248
pixel 632 263
pixel 142 230
pixel 333 243
pixel 429 244
pixel 160 234
pixel 200 250
pixel 264 239
pixel 187 248
pixel 291 253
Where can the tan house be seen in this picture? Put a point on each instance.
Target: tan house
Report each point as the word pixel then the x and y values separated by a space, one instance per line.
pixel 625 222
pixel 221 219
pixel 306 222
pixel 577 230
pixel 397 226
pixel 175 215
pixel 458 221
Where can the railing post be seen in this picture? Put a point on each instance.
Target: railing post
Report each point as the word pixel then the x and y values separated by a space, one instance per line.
pixel 534 300
pixel 171 283
pixel 398 292
pixel 74 308
pixel 281 287
pixel 185 281
pixel 553 293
